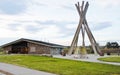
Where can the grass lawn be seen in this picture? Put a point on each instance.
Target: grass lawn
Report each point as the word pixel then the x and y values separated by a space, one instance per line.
pixel 111 59
pixel 61 66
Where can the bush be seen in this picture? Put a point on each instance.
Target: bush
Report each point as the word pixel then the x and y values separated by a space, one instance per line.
pixel 1 51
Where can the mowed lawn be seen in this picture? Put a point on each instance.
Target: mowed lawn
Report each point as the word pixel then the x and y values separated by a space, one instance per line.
pixel 60 66
pixel 110 59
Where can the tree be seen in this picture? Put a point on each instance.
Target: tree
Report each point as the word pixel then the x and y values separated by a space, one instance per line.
pixel 112 45
pixel 108 45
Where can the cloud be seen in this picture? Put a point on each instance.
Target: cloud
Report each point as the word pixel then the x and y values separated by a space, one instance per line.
pixel 68 7
pixel 49 32
pixel 12 7
pixel 23 21
pixel 65 27
pixel 32 29
pixel 51 22
pixel 36 26
pixel 107 3
pixel 37 3
pixel 56 20
pixel 101 26
pixel 13 26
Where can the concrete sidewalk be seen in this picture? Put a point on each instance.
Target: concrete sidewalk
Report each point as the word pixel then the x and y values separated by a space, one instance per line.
pixel 16 70
pixel 91 58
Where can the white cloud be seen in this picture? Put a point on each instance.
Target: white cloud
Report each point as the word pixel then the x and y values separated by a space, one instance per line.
pixel 106 3
pixel 71 26
pixel 59 12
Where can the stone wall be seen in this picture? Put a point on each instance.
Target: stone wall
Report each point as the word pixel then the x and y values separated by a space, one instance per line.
pixel 7 49
pixel 38 49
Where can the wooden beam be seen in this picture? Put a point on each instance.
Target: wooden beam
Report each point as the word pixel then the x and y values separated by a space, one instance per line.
pixel 83 26
pixel 90 38
pixel 83 36
pixel 82 16
pixel 94 41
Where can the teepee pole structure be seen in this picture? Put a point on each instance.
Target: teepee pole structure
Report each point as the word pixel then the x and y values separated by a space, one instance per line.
pixel 83 27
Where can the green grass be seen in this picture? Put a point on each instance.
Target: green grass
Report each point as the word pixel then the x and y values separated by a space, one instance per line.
pixel 111 59
pixel 1 53
pixel 60 66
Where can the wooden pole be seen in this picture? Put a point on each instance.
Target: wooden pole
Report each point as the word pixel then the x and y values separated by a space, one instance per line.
pixel 83 26
pixel 82 16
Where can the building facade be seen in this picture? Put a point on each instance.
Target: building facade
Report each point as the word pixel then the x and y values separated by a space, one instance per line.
pixel 28 46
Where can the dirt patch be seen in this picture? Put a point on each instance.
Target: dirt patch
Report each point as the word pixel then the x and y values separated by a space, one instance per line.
pixel 6 73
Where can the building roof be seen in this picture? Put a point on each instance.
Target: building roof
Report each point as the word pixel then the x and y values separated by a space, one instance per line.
pixel 33 41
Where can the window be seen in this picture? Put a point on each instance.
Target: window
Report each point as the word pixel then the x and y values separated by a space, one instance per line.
pixel 32 49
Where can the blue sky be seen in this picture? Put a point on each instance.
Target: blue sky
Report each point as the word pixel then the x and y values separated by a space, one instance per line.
pixel 56 20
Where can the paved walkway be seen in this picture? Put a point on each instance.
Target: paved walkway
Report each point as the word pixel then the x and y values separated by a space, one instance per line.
pixel 16 70
pixel 2 74
pixel 91 58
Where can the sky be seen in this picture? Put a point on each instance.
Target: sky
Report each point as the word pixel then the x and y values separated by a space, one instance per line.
pixel 56 21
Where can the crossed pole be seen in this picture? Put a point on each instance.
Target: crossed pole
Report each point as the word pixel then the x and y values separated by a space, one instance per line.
pixel 83 26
